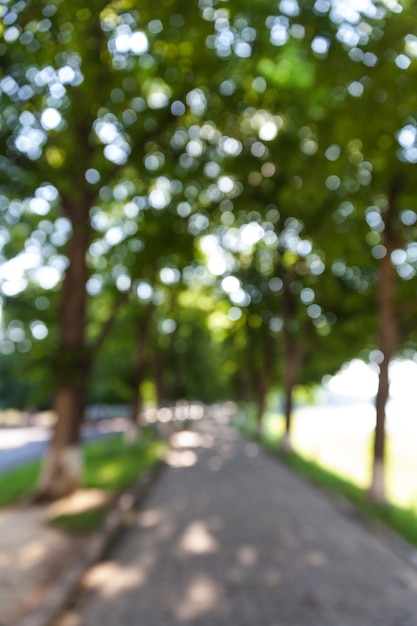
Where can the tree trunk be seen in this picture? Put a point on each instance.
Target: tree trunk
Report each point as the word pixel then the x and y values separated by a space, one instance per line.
pixel 158 379
pixel 293 363
pixel 135 406
pixel 388 343
pixel 62 468
pixel 260 406
pixel 293 357
pixel 260 377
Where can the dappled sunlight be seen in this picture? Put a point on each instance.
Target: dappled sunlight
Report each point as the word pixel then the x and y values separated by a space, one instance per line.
pixel 180 458
pixel 79 502
pixel 215 463
pixel 186 439
pixel 316 558
pixel 111 578
pixel 250 565
pixel 201 596
pixel 71 619
pixel 198 540
pixel 251 449
pixel 30 554
pixel 39 554
pixel 247 555
pixel 158 525
pixel 149 518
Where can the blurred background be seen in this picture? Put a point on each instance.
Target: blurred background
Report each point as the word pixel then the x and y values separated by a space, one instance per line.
pixel 211 202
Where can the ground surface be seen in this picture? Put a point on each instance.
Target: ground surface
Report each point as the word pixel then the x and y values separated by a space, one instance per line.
pixel 229 537
pixel 32 557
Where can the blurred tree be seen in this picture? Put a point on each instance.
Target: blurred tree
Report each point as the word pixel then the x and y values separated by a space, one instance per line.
pixel 122 128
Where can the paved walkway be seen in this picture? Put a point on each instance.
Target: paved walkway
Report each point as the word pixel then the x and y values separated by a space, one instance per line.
pixel 230 537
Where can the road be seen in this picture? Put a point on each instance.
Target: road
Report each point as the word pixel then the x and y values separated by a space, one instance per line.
pixel 19 446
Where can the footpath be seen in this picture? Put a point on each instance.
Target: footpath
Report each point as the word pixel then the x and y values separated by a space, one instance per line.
pixel 228 536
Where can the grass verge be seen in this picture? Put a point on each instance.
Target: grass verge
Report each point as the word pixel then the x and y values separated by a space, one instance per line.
pixel 18 483
pixel 109 464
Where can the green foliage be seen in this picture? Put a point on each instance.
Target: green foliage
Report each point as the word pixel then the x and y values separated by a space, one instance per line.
pixel 184 123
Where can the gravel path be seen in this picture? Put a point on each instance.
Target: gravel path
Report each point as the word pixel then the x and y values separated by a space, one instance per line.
pixel 230 537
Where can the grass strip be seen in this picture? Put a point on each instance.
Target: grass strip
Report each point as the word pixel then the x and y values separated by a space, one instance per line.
pixel 18 483
pixel 114 466
pixel 110 464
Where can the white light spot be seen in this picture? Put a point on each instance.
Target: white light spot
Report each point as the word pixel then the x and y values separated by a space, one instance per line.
pixel 225 184
pixel 139 43
pixel 251 233
pixel 144 291
pixel 114 235
pixel 50 119
pixel 234 313
pixel 320 45
pixel 158 100
pixel 115 154
pixel 168 326
pixel 402 61
pixel 195 148
pixel 268 131
pixel 407 136
pixel 230 284
pixel 123 282
pixel 13 287
pixel 38 330
pixel 356 89
pixel 39 206
pixel 48 277
pixel 169 275
pixel 92 176
pixel 217 266
pixel 243 49
pixel 66 74
pixel 158 199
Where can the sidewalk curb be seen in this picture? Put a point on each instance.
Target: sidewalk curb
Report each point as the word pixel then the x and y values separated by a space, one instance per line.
pixel 98 544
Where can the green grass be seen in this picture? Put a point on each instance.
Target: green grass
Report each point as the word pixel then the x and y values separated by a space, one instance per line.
pixel 18 483
pixel 113 465
pixel 109 464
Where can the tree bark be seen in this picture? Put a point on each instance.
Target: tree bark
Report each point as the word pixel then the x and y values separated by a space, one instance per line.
pixel 388 344
pixel 293 363
pixel 135 406
pixel 62 468
pixel 294 353
pixel 264 382
pixel 261 394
